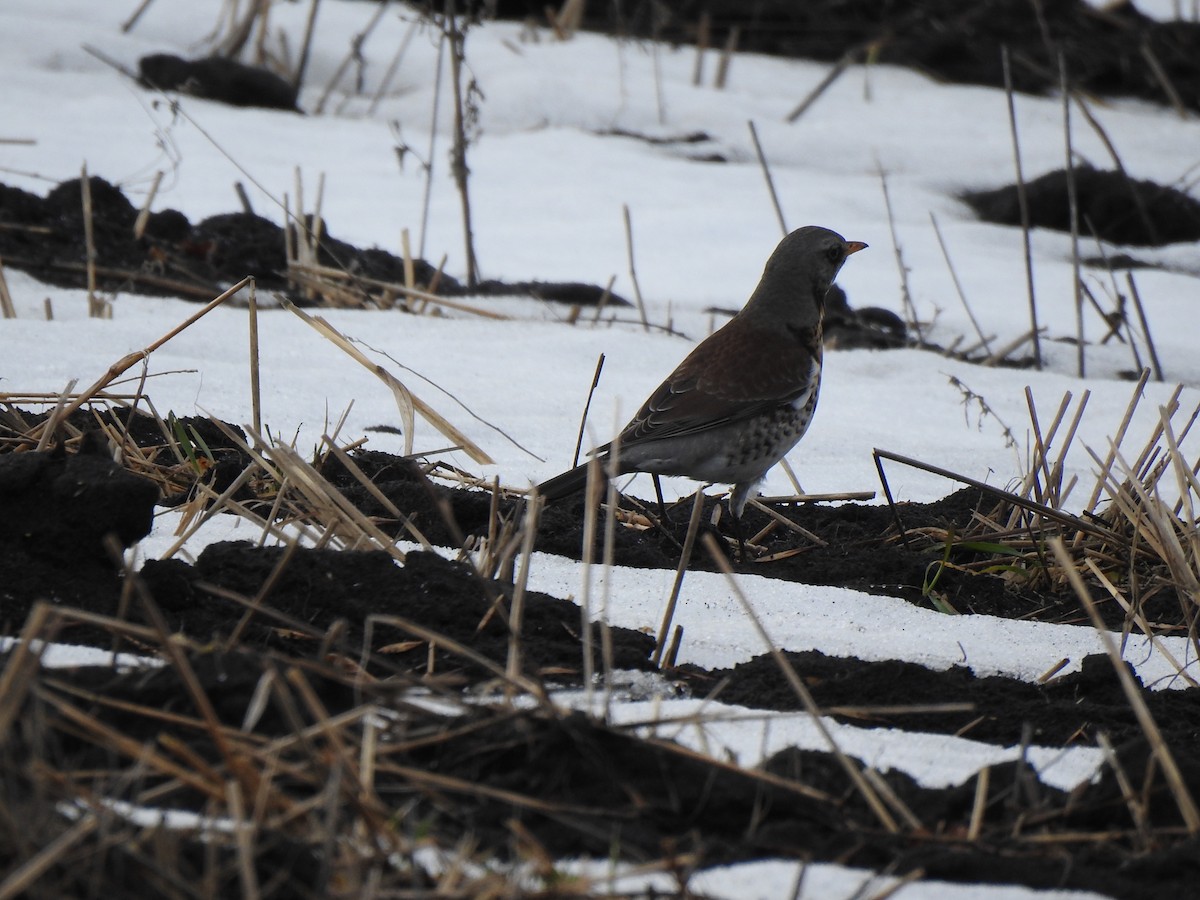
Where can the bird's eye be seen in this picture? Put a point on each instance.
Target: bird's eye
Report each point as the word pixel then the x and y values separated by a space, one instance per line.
pixel 834 254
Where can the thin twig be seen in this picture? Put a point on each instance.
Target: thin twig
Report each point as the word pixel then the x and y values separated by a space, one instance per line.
pixel 766 170
pixel 726 58
pixel 983 341
pixel 831 76
pixel 910 307
pixel 1175 780
pixel 1141 312
pixel 637 291
pixel 1023 203
pixel 587 405
pixel 685 558
pixel 143 216
pixel 801 690
pixel 306 46
pixel 1073 208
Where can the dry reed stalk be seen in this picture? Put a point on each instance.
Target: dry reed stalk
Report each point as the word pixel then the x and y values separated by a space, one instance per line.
pixel 244 841
pixel 306 45
pixel 1137 809
pixel 1179 789
pixel 143 216
pixel 196 290
pixel 586 629
pixel 898 806
pixel 831 76
pixel 517 615
pixel 569 19
pixel 255 367
pixel 23 660
pixel 979 806
pixel 802 693
pixel 1023 204
pixel 51 423
pixel 373 489
pixel 1164 80
pixel 241 29
pixel 766 170
pixel 857 496
pixel 1068 520
pixel 1073 210
pixel 328 506
pixel 112 739
pixel 128 24
pixel 612 498
pixel 703 36
pixel 25 877
pixel 1122 428
pixel 289 553
pixel 354 53
pixel 243 198
pixel 637 291
pixel 520 681
pixel 128 361
pixel 234 762
pixel 910 307
pixel 315 272
pixel 983 341
pixel 407 402
pixel 456 37
pixel 1004 352
pixel 726 58
pixel 587 405
pixel 318 223
pixel 685 558
pixel 95 307
pixel 788 523
pixel 1139 617
pixel 410 277
pixel 1141 312
pixel 393 67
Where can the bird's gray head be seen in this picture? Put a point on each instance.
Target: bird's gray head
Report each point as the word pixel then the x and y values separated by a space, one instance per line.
pixel 800 271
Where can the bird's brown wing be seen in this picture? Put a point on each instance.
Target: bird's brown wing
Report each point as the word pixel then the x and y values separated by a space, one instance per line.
pixel 771 369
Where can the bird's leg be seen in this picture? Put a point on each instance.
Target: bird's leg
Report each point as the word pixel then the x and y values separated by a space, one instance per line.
pixel 737 505
pixel 662 507
pixel 739 533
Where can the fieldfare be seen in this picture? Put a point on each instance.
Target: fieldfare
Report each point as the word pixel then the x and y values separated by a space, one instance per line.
pixel 745 395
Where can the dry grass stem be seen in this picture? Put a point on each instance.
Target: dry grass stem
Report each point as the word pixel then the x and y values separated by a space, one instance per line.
pixel 637 291
pixel 766 170
pixel 802 693
pixel 7 309
pixel 143 216
pixel 407 402
pixel 1023 203
pixel 726 59
pixel 831 76
pixel 1179 789
pixel 984 341
pixel 685 557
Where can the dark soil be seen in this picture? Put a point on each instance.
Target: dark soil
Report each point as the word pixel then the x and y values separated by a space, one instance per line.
pixel 1107 51
pixel 45 237
pixel 217 78
pixel 241 614
pixel 316 606
pixel 1111 206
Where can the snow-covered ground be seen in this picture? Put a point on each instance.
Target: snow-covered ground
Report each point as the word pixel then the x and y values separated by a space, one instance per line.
pixel 547 190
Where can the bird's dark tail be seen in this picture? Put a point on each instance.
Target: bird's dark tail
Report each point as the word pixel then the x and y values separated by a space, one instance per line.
pixel 569 482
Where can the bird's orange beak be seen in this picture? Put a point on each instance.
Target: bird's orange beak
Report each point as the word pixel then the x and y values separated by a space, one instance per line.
pixel 854 247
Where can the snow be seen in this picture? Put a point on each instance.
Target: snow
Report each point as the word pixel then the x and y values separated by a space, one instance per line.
pixel 547 191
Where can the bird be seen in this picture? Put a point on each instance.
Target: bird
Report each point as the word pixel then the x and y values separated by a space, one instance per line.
pixel 744 396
